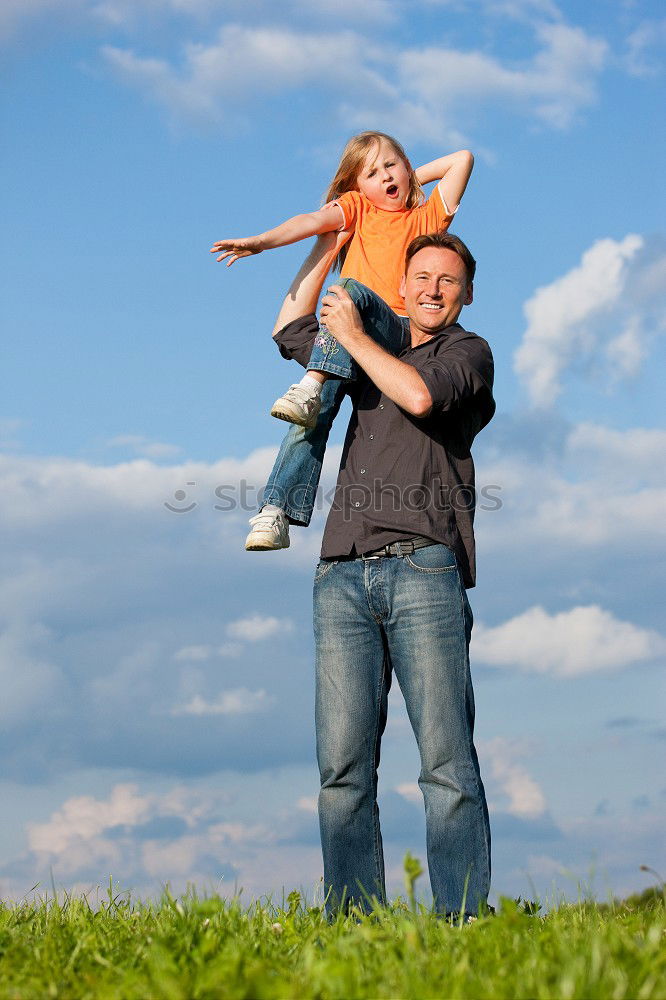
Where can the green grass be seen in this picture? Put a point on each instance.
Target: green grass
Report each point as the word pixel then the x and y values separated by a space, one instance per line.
pixel 210 947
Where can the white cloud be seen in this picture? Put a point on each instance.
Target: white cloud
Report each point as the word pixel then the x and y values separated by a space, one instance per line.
pixel 419 92
pixel 601 315
pixel 121 12
pixel 87 835
pixel 641 58
pixel 117 609
pixel 604 450
pixel 143 446
pixel 410 790
pixel 108 13
pixel 9 426
pixel 243 62
pixel 84 817
pixel 350 12
pixel 188 653
pixel 239 701
pixel 557 82
pixel 525 798
pixel 257 627
pixel 13 13
pixel 627 352
pixel 523 9
pixel 582 640
pixel 426 92
pixel 229 650
pixel 78 490
pixel 191 654
pixel 134 14
pixel 28 678
pixel 573 501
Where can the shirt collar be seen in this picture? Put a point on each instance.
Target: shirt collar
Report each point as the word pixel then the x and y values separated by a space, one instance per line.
pixel 447 331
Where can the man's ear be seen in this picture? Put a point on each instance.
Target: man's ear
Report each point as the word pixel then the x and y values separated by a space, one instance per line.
pixel 469 297
pixel 403 286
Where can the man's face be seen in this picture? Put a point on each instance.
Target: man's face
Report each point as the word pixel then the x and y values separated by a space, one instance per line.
pixel 435 289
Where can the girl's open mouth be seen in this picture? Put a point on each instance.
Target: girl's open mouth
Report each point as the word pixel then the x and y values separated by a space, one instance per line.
pixel 392 190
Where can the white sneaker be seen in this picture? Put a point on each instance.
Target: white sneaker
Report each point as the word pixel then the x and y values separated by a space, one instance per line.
pixel 298 406
pixel 270 530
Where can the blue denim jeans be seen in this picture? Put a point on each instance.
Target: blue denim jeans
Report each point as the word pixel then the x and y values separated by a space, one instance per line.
pixel 292 484
pixel 409 614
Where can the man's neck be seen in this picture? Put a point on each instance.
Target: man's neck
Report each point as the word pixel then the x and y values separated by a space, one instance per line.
pixel 419 337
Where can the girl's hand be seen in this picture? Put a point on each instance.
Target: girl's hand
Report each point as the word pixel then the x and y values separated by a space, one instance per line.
pixel 235 249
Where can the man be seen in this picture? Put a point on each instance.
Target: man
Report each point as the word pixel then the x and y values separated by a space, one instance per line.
pixel 397 557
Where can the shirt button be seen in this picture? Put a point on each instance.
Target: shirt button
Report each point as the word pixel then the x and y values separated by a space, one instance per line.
pixel 362 471
pixel 372 437
pixel 357 504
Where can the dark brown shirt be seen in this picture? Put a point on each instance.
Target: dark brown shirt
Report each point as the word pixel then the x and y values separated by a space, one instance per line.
pixel 402 475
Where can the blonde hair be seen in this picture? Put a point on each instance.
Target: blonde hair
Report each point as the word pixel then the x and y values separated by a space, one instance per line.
pixel 351 163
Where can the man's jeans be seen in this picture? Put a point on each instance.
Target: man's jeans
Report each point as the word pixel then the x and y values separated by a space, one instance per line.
pixel 292 484
pixel 409 614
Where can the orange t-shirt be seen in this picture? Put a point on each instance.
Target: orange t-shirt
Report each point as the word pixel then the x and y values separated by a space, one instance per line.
pixel 376 255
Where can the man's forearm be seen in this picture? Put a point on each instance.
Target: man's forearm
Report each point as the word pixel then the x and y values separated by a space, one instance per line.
pixel 397 380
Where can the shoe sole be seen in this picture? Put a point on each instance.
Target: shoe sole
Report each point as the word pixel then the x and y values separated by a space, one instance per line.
pixel 283 412
pixel 257 545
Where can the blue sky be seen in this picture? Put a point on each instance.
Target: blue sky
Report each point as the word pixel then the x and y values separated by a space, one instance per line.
pixel 158 691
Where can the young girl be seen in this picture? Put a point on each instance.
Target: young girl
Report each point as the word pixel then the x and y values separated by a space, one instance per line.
pixel 377 197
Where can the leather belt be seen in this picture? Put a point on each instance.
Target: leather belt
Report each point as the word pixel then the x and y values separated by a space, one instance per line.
pixel 400 548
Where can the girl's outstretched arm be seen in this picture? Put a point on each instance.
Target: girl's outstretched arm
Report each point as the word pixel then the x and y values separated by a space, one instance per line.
pixel 325 220
pixel 452 172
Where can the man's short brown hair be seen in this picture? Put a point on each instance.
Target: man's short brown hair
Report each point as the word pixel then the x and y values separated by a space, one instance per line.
pixel 444 241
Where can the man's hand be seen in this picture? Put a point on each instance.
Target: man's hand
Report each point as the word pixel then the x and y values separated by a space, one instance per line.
pixel 339 314
pixel 398 380
pixel 235 249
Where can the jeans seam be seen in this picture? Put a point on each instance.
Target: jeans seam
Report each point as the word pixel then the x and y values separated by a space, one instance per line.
pixel 330 368
pixel 375 818
pixel 377 618
pixel 470 735
pixel 298 514
pixel 429 569
pixel 274 474
pixel 326 569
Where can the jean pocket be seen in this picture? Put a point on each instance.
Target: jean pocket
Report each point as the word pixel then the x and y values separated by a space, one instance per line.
pixel 324 567
pixel 432 559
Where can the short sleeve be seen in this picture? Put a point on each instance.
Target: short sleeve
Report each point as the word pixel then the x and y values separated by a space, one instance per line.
pixel 296 339
pixel 439 216
pixel 460 374
pixel 349 203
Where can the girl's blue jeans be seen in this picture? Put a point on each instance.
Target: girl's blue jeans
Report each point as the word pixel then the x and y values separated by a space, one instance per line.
pixel 292 484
